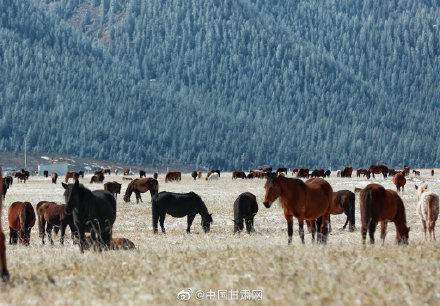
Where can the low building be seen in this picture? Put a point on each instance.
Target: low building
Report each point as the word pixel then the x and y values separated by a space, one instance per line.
pixel 59 168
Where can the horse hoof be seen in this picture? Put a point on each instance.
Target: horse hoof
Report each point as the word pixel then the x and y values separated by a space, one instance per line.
pixel 5 275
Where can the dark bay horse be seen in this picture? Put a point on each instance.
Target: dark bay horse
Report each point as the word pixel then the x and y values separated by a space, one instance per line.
pixel 245 207
pixel 21 217
pixel 139 186
pixel 21 177
pixel 304 201
pixel 113 187
pixel 179 205
pixel 92 211
pixel 71 175
pixel 45 173
pixel 399 180
pixel 303 172
pixel 51 215
pixel 97 178
pixel 4 269
pixel 142 173
pixel 382 205
pixel 194 175
pixel 238 174
pixel 378 169
pixel 347 171
pixel 281 169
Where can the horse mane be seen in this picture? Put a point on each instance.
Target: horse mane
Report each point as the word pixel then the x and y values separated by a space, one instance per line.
pixel 129 189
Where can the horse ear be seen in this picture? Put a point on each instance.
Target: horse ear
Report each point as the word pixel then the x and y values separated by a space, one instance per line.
pixel 64 185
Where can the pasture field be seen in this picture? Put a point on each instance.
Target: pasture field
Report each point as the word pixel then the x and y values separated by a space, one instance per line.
pixel 342 272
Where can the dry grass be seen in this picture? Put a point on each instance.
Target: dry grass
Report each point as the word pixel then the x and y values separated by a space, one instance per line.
pixel 343 272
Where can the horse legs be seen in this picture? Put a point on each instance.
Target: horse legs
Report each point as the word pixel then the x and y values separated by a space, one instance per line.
pixel 49 233
pixel 289 219
pixel 383 231
pixel 364 232
pixel 424 227
pixel 138 197
pixel 63 232
pixel 189 221
pixel 322 235
pixel 249 225
pixel 155 220
pixel 301 229
pixel 13 236
pixel 41 226
pixel 346 223
pixel 372 229
pixel 312 228
pixel 161 221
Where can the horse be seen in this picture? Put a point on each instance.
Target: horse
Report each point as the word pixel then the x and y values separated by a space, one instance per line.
pixel 432 172
pixel 9 180
pixel 54 177
pixel 406 169
pixel 127 172
pixel 327 173
pixel 173 176
pixel 416 173
pixel 245 207
pixel 399 180
pixel 343 202
pixel 4 270
pixel 295 170
pixel 121 244
pixel 238 174
pixel 393 172
pixel 338 173
pixel 105 171
pixel 139 186
pixel 71 175
pixel 318 173
pixel 279 170
pixel 428 209
pixel 303 172
pixel 21 217
pixel 250 176
pixel 257 174
pixel 216 171
pixel 347 171
pixel 378 169
pixel 142 173
pixel 21 177
pixel 179 205
pixel 194 175
pixel 304 201
pixel 382 205
pixel 5 188
pixel 81 174
pixel 116 171
pixel 45 173
pixel 360 171
pixel 97 178
pixel 113 187
pixel 92 211
pixel 199 174
pixel 213 176
pixel 26 173
pixel 51 215
pixel 155 175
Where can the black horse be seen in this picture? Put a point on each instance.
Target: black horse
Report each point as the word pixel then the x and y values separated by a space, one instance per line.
pixel 9 180
pixel 179 205
pixel 194 175
pixel 45 173
pixel 279 170
pixel 93 211
pixel 4 189
pixel 81 174
pixel 245 207
pixel 142 173
pixel 327 173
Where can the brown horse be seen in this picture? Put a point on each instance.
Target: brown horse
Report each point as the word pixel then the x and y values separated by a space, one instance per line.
pixel 127 172
pixel 54 177
pixel 432 172
pixel 399 180
pixel 71 175
pixel 199 174
pixel 238 174
pixel 116 171
pixel 304 201
pixel 106 171
pixel 21 217
pixel 347 171
pixel 139 186
pixel 382 205
pixel 121 244
pixel 295 170
pixel 406 169
pixel 97 178
pixel 378 169
pixel 362 171
pixel 173 176
pixel 4 272
pixel 303 172
pixel 416 173
pixel 21 177
pixel 258 174
pixel 344 202
pixel 155 175
pixel 51 215
pixel 113 187
pixel 265 169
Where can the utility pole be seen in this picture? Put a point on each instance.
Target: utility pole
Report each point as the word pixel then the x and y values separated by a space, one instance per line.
pixel 25 157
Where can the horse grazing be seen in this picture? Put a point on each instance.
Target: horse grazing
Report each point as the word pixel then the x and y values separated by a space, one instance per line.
pixel 51 215
pixel 21 217
pixel 399 180
pixel 382 205
pixel 344 202
pixel 303 172
pixel 121 244
pixel 173 176
pixel 54 177
pixel 194 175
pixel 213 176
pixel 179 205
pixel 378 169
pixel 113 187
pixel 21 177
pixel 142 173
pixel 432 172
pixel 393 172
pixel 250 176
pixel 279 170
pixel 416 173
pixel 139 186
pixel 46 173
pixel 71 175
pixel 92 211
pixel 362 171
pixel 427 208
pixel 347 171
pixel 245 207
pixel 4 270
pixel 318 173
pixel 97 178
pixel 304 201
pixel 238 174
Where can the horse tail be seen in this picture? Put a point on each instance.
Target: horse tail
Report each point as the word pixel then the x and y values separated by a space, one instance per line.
pixel 40 219
pixel 366 207
pixel 25 218
pixel 432 209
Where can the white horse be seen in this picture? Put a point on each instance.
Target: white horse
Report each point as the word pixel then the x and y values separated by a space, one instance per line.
pixel 213 176
pixel 427 208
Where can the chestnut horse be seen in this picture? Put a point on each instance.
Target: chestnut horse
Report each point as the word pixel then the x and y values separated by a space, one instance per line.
pixel 105 171
pixel 139 186
pixel 21 217
pixel 199 174
pixel 173 176
pixel 378 169
pixel 4 272
pixel 304 201
pixel 54 177
pixel 303 172
pixel 382 205
pixel 51 215
pixel 347 171
pixel 21 177
pixel 71 175
pixel 399 180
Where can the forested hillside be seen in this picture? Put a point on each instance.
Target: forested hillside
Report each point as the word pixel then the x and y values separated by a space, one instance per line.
pixel 229 84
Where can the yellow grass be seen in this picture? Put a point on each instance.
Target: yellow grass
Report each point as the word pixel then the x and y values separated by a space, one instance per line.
pixel 342 272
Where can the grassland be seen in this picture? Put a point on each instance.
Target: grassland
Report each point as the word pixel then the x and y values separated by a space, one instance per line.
pixel 342 272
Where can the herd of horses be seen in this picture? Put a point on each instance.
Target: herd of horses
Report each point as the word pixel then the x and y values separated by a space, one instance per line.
pixel 312 201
